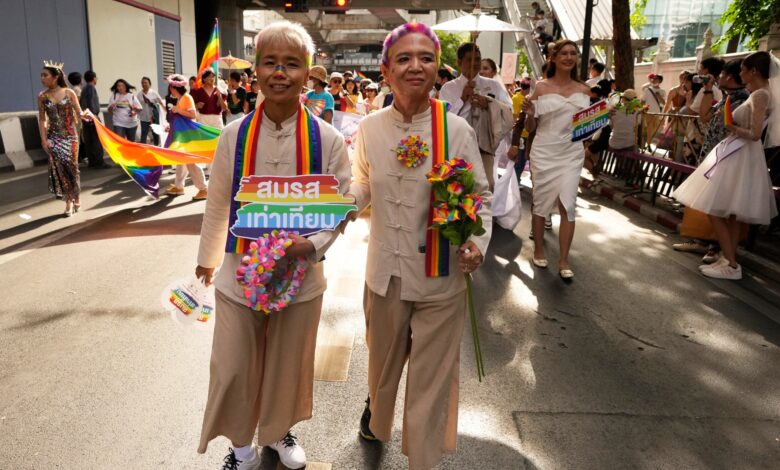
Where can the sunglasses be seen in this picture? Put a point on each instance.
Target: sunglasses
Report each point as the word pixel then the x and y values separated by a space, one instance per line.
pixel 336 80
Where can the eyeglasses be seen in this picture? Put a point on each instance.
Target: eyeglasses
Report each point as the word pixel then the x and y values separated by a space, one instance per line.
pixel 336 80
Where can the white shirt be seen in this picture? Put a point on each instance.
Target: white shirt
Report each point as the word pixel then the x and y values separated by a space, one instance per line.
pixel 717 95
pixel 654 105
pixel 146 113
pixel 452 90
pixel 124 105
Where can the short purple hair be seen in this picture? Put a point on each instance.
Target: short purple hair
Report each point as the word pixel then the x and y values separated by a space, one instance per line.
pixel 395 35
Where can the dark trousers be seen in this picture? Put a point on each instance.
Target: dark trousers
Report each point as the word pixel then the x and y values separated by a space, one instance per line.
pixel 126 132
pixel 146 128
pixel 92 146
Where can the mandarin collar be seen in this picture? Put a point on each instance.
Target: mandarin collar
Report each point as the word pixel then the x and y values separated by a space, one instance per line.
pixel 288 125
pixel 398 118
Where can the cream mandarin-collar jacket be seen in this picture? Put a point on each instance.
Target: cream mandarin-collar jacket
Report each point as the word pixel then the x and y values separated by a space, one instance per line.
pixel 276 155
pixel 400 200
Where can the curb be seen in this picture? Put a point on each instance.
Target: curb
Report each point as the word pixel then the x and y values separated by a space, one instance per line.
pixel 659 216
pixel 752 261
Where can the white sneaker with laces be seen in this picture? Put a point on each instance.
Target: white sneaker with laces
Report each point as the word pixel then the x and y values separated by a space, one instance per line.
pixel 723 271
pixel 290 453
pixel 232 463
pixel 717 262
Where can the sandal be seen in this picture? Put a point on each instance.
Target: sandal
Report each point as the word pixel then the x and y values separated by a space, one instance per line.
pixel 540 263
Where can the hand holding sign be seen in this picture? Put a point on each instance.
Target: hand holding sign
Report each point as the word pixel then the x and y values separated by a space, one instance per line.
pixel 305 204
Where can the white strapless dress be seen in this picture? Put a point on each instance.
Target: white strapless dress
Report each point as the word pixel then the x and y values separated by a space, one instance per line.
pixel 739 185
pixel 556 161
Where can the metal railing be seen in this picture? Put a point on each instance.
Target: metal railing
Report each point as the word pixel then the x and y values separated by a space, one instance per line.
pixel 678 137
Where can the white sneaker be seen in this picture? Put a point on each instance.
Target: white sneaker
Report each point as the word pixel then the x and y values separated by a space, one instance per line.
pixel 718 262
pixel 723 271
pixel 290 453
pixel 232 463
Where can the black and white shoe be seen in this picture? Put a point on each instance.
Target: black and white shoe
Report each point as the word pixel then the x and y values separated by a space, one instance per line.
pixel 232 463
pixel 290 453
pixel 365 431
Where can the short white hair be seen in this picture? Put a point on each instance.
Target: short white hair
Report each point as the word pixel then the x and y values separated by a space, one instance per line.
pixel 288 33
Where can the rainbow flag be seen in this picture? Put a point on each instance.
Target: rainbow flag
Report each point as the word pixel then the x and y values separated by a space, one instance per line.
pixel 728 117
pixel 143 162
pixel 192 137
pixel 360 74
pixel 210 55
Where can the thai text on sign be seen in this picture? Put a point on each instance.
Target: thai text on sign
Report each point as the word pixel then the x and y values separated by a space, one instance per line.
pixel 304 204
pixel 589 120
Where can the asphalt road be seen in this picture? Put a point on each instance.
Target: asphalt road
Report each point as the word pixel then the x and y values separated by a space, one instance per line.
pixel 640 363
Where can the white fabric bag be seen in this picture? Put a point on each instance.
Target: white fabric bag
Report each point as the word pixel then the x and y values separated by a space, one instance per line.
pixel 506 195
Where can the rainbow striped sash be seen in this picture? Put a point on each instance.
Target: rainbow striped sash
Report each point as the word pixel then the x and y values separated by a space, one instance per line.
pixel 308 160
pixel 437 248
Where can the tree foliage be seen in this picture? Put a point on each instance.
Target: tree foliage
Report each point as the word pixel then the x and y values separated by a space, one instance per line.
pixel 749 19
pixel 638 17
pixel 449 47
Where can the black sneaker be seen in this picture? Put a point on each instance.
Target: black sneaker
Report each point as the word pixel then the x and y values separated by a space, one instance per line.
pixel 365 431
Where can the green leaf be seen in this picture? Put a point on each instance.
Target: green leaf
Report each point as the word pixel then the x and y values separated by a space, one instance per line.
pixel 467 179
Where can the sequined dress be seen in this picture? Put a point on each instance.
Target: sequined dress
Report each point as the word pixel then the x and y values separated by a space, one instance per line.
pixel 62 133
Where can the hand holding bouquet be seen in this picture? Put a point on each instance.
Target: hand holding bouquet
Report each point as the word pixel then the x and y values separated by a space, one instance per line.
pixel 455 215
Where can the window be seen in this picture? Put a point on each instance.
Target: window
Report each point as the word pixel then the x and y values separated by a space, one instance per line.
pixel 168 58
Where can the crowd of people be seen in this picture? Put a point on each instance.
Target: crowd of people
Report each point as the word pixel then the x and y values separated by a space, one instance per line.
pixel 252 390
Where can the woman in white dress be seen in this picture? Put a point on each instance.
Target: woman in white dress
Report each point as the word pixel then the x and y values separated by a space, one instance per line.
pixel 556 161
pixel 732 185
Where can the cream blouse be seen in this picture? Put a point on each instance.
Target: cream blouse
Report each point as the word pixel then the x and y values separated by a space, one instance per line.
pixel 400 200
pixel 276 155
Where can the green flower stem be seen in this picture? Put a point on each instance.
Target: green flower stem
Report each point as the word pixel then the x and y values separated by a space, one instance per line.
pixel 474 329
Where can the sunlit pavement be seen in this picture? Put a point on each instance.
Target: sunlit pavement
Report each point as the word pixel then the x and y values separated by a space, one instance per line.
pixel 640 362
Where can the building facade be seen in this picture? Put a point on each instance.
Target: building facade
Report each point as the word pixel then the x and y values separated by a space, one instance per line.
pixel 116 38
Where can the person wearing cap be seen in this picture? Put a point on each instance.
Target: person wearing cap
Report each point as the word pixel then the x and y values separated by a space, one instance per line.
pixel 262 366
pixel 413 315
pixel 372 91
pixel 318 79
pixel 654 98
pixel 337 91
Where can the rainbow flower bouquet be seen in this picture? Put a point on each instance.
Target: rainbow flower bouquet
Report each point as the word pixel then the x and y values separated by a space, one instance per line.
pixel 454 214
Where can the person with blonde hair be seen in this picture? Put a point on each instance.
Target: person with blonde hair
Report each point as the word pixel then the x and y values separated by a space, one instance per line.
pixel 262 366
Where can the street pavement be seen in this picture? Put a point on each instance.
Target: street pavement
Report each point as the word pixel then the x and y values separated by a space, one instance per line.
pixel 639 363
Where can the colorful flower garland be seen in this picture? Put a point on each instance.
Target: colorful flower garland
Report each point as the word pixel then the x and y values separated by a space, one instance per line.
pixel 270 281
pixel 412 151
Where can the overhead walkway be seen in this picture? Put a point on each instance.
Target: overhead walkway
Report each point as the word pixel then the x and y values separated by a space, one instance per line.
pixel 571 17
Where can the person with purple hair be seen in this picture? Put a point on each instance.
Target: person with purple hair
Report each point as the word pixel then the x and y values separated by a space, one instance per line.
pixel 400 299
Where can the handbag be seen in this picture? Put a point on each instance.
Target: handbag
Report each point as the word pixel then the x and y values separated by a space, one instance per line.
pixel 506 204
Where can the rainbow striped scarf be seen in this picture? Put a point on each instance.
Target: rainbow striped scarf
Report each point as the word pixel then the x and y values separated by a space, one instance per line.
pixel 308 160
pixel 437 248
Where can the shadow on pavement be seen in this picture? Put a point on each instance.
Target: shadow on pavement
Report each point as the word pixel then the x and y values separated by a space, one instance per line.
pixel 31 225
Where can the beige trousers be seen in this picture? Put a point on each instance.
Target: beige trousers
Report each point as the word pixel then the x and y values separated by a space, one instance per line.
pixel 428 335
pixel 487 162
pixel 262 372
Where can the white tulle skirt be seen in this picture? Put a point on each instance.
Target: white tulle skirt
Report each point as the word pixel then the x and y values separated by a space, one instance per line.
pixel 738 186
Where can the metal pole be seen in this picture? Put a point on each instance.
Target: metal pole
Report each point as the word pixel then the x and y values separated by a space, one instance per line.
pixel 586 39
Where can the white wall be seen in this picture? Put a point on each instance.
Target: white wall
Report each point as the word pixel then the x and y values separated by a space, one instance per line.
pixel 123 44
pixel 122 40
pixel 189 54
